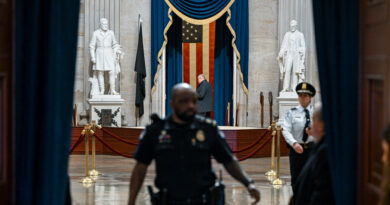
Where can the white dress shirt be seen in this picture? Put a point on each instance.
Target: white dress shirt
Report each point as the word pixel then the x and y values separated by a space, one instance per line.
pixel 294 125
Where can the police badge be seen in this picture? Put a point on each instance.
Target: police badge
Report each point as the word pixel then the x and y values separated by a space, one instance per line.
pixel 200 136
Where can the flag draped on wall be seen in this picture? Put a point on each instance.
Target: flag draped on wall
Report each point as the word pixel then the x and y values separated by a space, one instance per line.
pixel 207 54
pixel 198 52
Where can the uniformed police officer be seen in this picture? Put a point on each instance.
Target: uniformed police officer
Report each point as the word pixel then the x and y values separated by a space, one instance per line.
pixel 182 146
pixel 296 121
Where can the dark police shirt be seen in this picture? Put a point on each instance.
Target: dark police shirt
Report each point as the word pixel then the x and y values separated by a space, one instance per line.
pixel 183 155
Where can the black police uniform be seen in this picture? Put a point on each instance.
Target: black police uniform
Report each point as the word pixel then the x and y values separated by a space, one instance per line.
pixel 183 156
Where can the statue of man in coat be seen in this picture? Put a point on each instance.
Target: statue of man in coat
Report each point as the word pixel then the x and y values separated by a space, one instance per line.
pixel 204 92
pixel 291 58
pixel 105 55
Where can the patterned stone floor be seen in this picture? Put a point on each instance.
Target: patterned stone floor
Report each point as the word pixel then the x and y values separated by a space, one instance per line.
pixel 113 185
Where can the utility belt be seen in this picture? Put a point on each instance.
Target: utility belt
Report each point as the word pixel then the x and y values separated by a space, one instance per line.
pixel 307 145
pixel 215 195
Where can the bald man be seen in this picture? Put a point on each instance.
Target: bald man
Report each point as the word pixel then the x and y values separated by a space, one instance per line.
pixel 182 146
pixel 204 92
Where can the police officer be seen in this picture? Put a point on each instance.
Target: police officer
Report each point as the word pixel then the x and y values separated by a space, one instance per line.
pixel 294 129
pixel 182 146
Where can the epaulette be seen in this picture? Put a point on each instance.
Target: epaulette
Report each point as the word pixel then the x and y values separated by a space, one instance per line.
pixel 294 108
pixel 211 122
pixel 207 120
pixel 155 118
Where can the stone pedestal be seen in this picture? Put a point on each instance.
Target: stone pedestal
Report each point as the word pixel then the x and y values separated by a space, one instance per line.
pixel 106 110
pixel 287 100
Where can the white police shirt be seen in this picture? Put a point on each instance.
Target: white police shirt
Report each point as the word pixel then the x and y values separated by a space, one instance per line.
pixel 294 125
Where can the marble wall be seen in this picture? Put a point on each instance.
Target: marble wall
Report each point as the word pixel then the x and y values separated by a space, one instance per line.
pixel 263 49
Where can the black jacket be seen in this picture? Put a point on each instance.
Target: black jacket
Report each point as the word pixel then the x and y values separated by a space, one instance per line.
pixel 204 91
pixel 314 183
pixel 182 154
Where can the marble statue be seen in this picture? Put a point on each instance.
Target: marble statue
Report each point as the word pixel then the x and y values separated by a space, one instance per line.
pixel 105 56
pixel 291 58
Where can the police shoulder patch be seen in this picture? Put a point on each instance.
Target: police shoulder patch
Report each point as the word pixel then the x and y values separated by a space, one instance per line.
pixel 155 118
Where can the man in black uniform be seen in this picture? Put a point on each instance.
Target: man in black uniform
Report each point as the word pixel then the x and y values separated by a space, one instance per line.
pixel 182 146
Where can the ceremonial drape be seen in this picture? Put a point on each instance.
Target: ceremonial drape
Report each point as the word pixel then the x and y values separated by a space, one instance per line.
pixel 223 70
pixel 45 57
pixel 204 12
pixel 174 57
pixel 201 10
pixel 337 41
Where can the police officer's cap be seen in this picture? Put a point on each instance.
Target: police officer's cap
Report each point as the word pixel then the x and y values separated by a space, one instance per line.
pixel 306 88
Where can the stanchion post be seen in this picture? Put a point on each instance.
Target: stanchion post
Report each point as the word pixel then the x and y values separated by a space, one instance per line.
pixel 94 173
pixel 272 173
pixel 87 181
pixel 228 114
pixel 278 182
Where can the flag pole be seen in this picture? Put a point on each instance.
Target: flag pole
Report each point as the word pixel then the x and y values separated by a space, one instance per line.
pixel 136 115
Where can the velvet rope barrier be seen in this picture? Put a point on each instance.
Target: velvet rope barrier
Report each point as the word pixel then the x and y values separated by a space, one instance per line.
pixel 256 150
pixel 81 138
pixel 119 138
pixel 111 148
pixel 251 145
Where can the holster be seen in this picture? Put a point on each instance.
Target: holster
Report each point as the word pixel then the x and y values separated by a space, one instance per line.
pixel 217 194
pixel 160 198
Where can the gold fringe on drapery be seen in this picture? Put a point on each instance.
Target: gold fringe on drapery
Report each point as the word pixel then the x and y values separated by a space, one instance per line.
pixel 161 51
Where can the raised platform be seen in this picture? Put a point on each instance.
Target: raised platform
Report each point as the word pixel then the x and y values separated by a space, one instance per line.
pixel 236 137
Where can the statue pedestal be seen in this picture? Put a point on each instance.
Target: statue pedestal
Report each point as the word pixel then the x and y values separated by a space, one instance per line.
pixel 287 100
pixel 106 110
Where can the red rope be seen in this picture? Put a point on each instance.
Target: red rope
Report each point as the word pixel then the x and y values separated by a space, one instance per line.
pixel 119 138
pixel 130 156
pixel 251 145
pixel 111 148
pixel 256 150
pixel 81 138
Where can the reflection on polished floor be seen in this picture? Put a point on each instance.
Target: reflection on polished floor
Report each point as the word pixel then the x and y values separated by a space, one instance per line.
pixel 113 185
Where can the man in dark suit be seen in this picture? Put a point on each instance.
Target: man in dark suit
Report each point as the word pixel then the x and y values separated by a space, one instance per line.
pixel 204 92
pixel 314 183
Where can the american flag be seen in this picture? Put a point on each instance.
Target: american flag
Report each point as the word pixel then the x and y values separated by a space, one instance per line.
pixel 198 52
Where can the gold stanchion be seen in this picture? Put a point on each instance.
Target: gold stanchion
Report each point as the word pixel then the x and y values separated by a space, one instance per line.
pixel 94 173
pixel 87 181
pixel 228 114
pixel 278 182
pixel 271 173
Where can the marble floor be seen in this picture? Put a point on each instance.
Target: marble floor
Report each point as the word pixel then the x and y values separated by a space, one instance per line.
pixel 113 185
